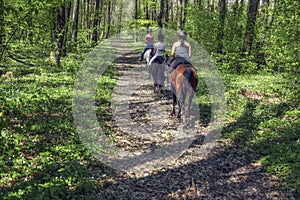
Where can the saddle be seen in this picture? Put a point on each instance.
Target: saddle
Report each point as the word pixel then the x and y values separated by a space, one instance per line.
pixel 159 60
pixel 182 62
pixel 152 51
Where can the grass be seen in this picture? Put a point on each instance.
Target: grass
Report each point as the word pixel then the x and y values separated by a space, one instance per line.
pixel 266 120
pixel 42 156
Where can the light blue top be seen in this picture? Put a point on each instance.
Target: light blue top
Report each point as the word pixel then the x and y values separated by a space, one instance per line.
pixel 160 48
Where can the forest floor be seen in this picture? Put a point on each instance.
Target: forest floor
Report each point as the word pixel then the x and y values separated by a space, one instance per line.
pixel 229 171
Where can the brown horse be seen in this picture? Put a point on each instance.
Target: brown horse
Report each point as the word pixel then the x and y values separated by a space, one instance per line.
pixel 184 81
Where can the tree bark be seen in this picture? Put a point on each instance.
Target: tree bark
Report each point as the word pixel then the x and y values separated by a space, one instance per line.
pixel 1 25
pixel 235 7
pixel 75 19
pixel 58 34
pixel 136 13
pixel 161 14
pixel 30 24
pixel 179 14
pixel 271 17
pixel 109 12
pixel 212 7
pixel 184 11
pixel 67 11
pixel 250 28
pixel 147 9
pixel 154 13
pixel 222 4
pixel 167 12
pixel 120 19
pixel 86 18
pixel 172 11
pixel 96 21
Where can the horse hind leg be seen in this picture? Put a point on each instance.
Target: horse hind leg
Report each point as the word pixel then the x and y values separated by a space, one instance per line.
pixel 159 89
pixel 180 106
pixel 174 104
pixel 183 106
pixel 189 102
pixel 155 88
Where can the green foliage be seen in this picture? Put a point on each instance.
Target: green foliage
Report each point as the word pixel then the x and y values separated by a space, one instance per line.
pixel 266 121
pixel 41 156
pixel 40 153
pixel 202 26
pixel 282 41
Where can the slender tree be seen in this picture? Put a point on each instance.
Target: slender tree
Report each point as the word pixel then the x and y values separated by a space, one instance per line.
pixel 86 18
pixel 96 21
pixel 1 24
pixel 146 3
pixel 58 33
pixel 179 14
pixel 167 11
pixel 184 12
pixel 222 15
pixel 120 14
pixel 161 13
pixel 67 11
pixel 75 19
pixel 109 18
pixel 250 28
pixel 30 23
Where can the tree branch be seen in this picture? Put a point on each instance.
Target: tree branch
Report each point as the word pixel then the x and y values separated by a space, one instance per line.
pixel 18 60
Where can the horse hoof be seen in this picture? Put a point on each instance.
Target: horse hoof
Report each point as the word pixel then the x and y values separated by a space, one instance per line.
pixel 172 113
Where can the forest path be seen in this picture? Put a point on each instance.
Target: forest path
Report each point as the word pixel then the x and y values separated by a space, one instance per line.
pixel 228 172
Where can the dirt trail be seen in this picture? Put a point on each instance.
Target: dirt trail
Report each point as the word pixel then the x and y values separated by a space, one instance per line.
pixel 228 172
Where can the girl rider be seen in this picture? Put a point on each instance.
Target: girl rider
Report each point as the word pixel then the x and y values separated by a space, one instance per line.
pixel 148 43
pixel 181 52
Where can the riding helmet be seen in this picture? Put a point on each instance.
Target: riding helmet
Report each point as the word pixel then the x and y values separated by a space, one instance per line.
pixel 181 33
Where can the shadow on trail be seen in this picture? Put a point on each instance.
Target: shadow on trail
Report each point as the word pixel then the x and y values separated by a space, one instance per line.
pixel 229 172
pixel 226 174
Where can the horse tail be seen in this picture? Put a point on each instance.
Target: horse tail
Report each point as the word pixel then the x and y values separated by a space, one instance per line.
pixel 190 80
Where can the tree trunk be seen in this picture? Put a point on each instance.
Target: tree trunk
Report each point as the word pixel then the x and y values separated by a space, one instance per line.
pixel 271 18
pixel 55 51
pixel 235 7
pixel 86 18
pixel 167 12
pixel 154 14
pixel 109 12
pixel 179 14
pixel 222 4
pixel 161 13
pixel 147 10
pixel 1 25
pixel 250 28
pixel 212 7
pixel 30 24
pixel 171 11
pixel 184 11
pixel 136 12
pixel 75 19
pixel 120 19
pixel 66 11
pixel 96 21
pixel 58 34
pixel 103 21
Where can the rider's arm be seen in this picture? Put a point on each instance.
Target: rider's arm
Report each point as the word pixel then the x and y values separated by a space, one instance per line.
pixel 154 51
pixel 173 50
pixel 190 49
